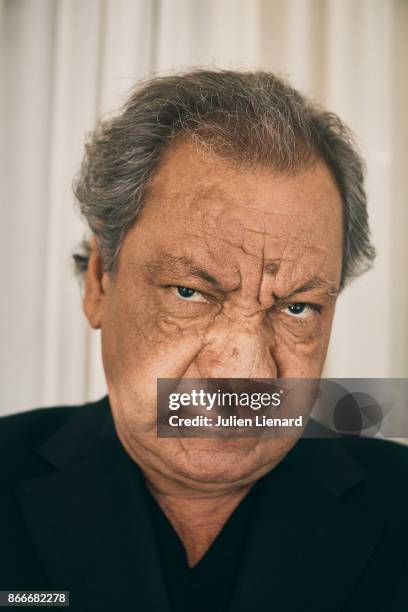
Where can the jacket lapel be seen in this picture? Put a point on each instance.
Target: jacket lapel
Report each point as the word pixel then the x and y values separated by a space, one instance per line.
pixel 89 522
pixel 308 542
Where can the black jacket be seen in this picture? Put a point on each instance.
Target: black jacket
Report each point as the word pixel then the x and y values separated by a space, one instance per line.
pixel 330 532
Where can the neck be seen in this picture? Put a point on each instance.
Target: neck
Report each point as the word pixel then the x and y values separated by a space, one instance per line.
pixel 196 516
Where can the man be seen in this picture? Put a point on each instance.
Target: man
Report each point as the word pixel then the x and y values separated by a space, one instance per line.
pixel 227 213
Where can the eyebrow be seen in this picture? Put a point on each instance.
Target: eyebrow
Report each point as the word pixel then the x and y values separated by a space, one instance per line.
pixel 316 283
pixel 170 263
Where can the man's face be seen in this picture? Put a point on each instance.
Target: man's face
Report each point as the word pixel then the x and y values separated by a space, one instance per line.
pixel 228 272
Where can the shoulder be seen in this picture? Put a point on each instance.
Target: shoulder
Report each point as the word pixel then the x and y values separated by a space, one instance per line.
pixel 370 470
pixel 21 435
pixel 33 426
pixel 378 456
pixel 384 464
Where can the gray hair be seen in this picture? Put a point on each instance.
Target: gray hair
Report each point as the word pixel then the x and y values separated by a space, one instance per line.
pixel 250 117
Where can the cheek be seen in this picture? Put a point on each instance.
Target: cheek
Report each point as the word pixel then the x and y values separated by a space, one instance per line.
pixel 126 326
pixel 300 350
pixel 141 343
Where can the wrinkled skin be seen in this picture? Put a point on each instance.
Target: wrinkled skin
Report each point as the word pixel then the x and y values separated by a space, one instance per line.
pixel 260 236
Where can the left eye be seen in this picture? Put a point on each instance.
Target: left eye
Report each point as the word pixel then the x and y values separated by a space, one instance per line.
pixel 192 295
pixel 299 310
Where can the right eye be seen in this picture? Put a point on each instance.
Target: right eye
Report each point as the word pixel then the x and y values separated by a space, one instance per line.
pixel 189 294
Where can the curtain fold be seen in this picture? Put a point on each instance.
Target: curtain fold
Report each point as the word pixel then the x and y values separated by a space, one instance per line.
pixel 64 63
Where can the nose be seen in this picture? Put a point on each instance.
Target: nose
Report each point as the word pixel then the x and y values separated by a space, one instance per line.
pixel 238 350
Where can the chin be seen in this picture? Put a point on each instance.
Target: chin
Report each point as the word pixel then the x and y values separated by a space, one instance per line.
pixel 222 461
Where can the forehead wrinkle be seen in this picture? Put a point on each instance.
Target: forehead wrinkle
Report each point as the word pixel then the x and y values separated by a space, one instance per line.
pixel 296 251
pixel 298 269
pixel 238 243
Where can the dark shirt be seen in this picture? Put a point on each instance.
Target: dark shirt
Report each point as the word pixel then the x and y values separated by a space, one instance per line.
pixel 210 583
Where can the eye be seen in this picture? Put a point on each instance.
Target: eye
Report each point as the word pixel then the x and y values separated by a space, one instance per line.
pixel 186 293
pixel 301 310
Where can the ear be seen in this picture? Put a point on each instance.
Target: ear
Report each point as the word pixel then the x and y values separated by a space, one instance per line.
pixel 95 285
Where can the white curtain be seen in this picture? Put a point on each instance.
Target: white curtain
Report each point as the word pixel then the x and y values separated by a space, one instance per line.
pixel 66 62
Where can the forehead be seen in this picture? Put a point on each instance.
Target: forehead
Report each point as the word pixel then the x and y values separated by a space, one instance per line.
pixel 201 204
pixel 193 185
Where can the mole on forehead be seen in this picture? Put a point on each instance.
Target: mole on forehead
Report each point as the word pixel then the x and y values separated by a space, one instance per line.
pixel 272 266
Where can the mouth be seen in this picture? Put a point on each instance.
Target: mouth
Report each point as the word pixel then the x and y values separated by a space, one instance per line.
pixel 230 403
